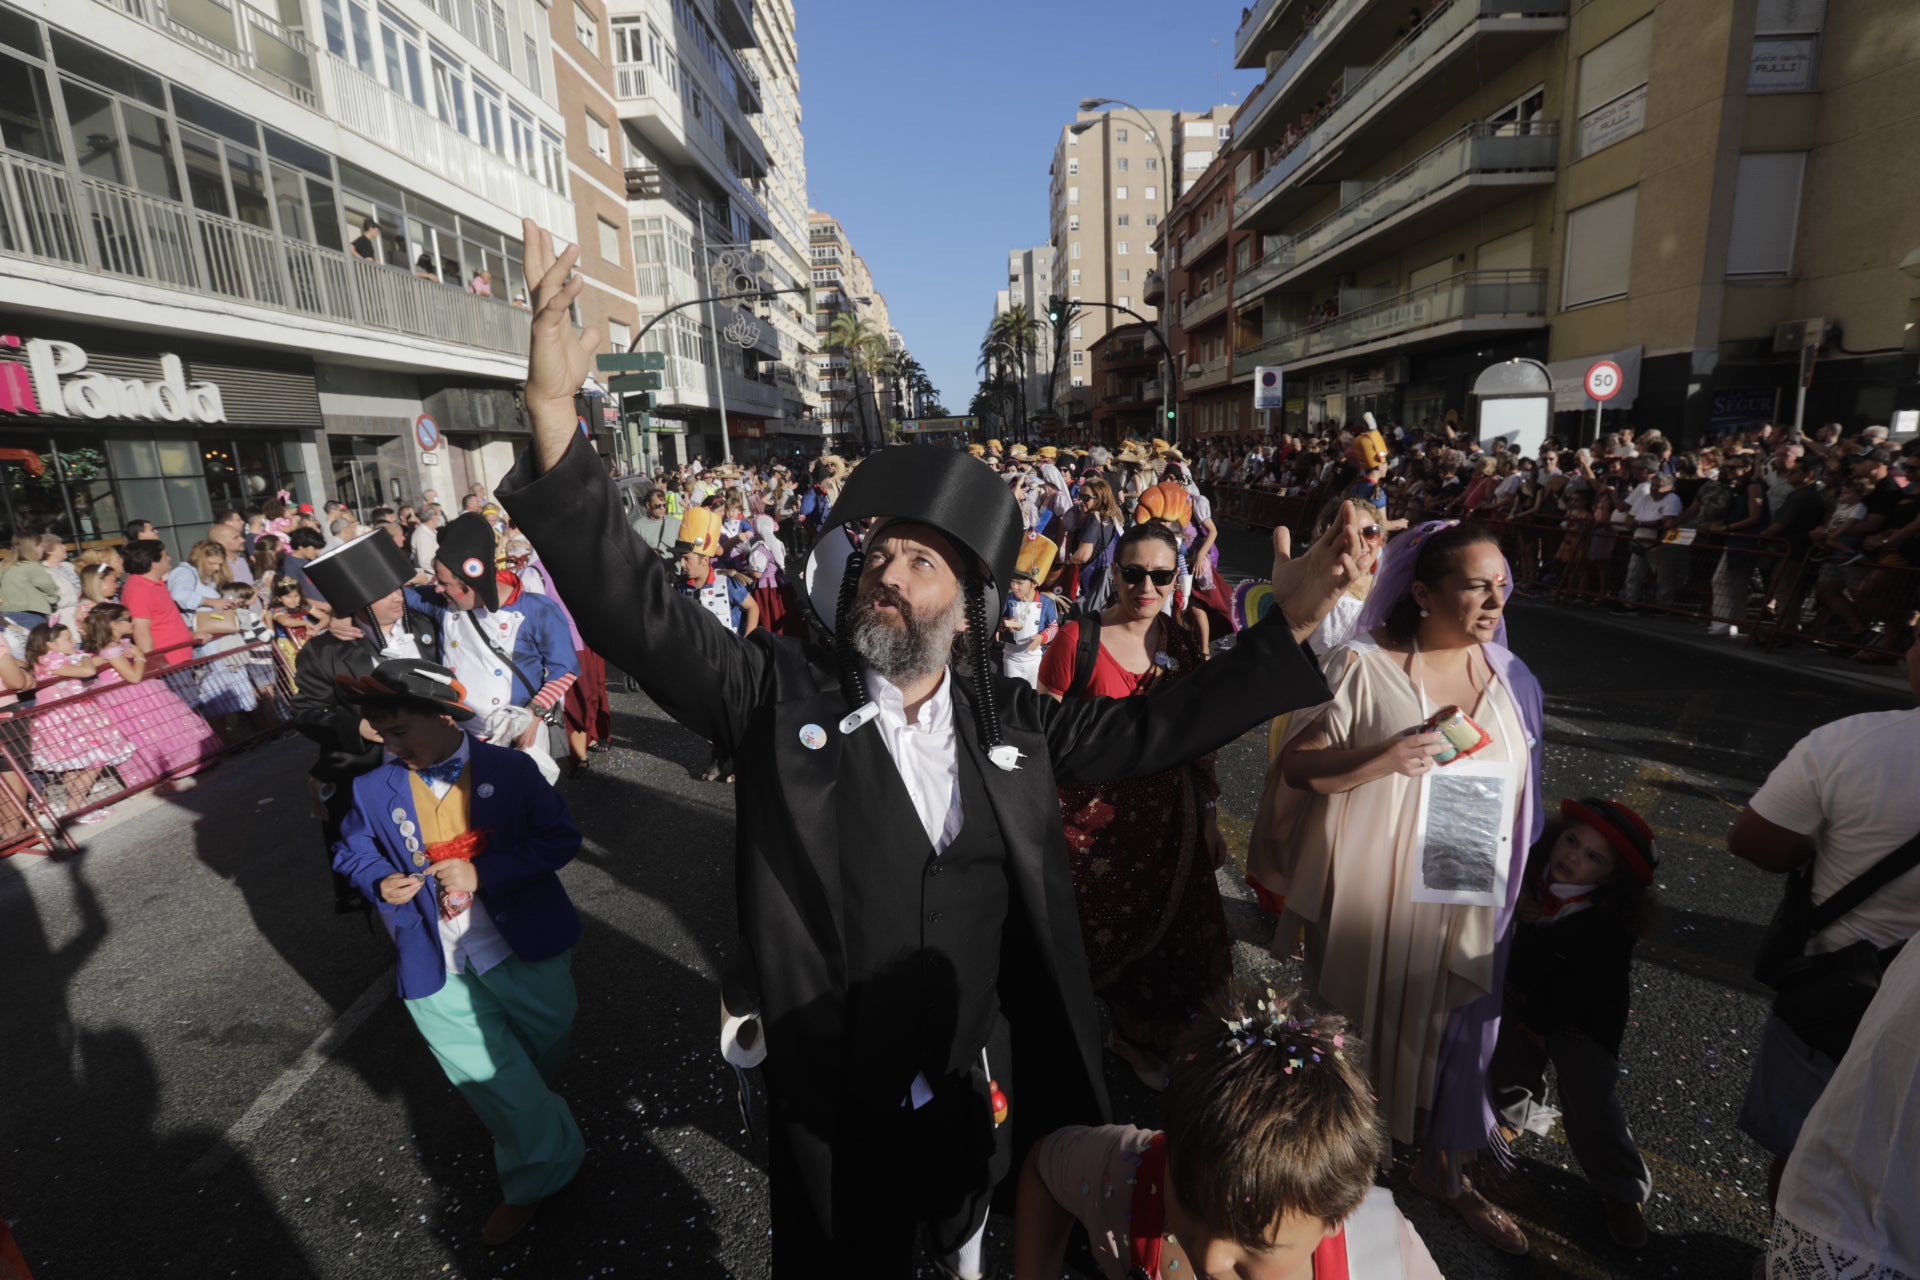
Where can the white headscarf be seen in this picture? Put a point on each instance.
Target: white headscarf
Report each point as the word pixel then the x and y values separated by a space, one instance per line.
pixel 767 529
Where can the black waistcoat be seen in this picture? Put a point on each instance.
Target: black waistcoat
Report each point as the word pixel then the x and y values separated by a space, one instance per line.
pixel 923 931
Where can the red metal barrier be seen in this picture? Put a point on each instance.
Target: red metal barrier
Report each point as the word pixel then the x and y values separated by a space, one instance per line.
pixel 1881 593
pixel 76 752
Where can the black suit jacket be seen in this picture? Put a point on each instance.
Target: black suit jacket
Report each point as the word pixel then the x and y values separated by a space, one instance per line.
pixel 753 697
pixel 320 715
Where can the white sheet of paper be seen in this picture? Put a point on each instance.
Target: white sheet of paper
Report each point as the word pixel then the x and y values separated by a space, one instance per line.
pixel 1464 835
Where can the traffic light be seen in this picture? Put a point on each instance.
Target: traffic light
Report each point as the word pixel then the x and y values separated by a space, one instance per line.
pixel 1056 311
pixel 1170 414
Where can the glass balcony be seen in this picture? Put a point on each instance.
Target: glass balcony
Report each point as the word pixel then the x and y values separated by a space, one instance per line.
pixel 1471 296
pixel 239 35
pixel 1207 237
pixel 1199 310
pixel 1212 373
pixel 1250 28
pixel 1356 99
pixel 1253 120
pixel 371 110
pixel 1481 152
pixel 49 216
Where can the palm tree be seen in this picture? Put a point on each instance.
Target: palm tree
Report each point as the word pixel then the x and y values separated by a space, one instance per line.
pixel 854 338
pixel 1019 329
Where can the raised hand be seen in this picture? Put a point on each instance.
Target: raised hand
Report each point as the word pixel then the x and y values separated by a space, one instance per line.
pixel 1305 588
pixel 558 360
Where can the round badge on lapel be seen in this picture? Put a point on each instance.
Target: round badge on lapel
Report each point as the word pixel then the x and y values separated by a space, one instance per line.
pixel 413 845
pixel 812 737
pixel 484 791
pixel 399 815
pixel 407 828
pixel 419 859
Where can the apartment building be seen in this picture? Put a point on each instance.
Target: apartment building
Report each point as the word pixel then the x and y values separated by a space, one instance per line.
pixel 695 173
pixel 842 285
pixel 1203 255
pixel 774 58
pixel 1666 183
pixel 1114 176
pixel 1030 285
pixel 193 317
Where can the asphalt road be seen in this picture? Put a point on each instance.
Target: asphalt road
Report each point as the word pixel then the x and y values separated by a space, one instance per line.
pixel 204 1073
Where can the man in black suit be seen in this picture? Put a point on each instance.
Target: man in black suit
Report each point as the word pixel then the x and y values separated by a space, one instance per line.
pixel 904 850
pixel 347 747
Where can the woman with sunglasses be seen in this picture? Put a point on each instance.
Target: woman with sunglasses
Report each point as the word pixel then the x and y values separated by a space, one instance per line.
pixel 1144 852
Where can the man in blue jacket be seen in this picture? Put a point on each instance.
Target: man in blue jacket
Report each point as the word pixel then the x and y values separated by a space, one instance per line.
pixel 456 842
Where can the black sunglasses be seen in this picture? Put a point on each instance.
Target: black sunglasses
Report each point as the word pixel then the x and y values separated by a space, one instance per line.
pixel 1134 574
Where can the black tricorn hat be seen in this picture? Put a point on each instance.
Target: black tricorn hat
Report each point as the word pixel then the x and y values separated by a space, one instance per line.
pixel 944 489
pixel 355 574
pixel 411 684
pixel 467 549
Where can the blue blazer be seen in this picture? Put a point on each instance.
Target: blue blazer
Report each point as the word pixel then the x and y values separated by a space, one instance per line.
pixel 530 836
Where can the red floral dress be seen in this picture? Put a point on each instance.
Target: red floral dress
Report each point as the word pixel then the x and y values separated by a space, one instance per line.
pixel 1156 933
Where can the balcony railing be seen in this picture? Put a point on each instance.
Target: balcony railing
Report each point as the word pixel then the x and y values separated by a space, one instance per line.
pixel 1251 24
pixel 1478 148
pixel 1392 72
pixel 1212 373
pixel 239 35
pixel 636 82
pixel 48 216
pixel 1202 309
pixel 370 109
pixel 1290 63
pixel 1472 295
pixel 1203 240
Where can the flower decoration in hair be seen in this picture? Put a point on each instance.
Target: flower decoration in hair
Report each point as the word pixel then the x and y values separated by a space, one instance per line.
pixel 1271 1027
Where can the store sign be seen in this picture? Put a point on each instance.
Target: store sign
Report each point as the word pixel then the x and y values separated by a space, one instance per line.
pixel 1621 118
pixel 1782 65
pixel 54 383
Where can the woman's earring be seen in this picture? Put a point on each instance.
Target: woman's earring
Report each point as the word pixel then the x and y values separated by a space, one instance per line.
pixel 1423 613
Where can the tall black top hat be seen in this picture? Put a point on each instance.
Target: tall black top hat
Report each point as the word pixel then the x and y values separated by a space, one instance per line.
pixel 355 574
pixel 943 489
pixel 467 549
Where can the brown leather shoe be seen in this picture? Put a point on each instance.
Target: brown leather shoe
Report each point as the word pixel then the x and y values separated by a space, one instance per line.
pixel 1488 1220
pixel 506 1222
pixel 1627 1223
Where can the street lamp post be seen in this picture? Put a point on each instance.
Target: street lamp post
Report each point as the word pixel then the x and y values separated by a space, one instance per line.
pixel 1169 405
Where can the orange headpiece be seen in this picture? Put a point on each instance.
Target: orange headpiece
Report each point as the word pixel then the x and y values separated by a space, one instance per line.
pixel 699 532
pixel 1168 500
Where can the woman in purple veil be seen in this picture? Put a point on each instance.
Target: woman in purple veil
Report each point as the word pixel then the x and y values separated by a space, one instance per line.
pixel 1400 861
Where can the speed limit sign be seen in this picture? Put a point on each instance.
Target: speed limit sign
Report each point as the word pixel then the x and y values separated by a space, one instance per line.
pixel 1603 381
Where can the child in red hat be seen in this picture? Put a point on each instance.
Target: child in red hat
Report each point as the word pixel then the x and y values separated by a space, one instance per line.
pixel 1587 900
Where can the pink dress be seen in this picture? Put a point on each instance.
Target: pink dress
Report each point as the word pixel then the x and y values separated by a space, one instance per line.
pixel 82 736
pixel 169 737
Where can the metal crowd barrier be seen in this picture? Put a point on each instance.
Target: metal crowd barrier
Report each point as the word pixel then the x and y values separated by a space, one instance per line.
pixel 66 757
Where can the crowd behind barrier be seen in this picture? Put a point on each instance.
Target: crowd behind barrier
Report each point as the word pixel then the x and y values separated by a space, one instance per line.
pixel 71 755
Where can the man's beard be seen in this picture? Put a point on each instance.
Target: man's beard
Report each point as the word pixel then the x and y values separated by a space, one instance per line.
pixel 916 647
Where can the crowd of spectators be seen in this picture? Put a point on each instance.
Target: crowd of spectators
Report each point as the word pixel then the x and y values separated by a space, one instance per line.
pixel 1814 534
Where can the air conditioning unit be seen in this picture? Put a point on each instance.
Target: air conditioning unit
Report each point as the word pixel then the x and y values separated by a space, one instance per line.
pixel 1790 336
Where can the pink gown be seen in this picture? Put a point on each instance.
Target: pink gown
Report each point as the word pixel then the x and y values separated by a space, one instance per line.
pixel 69 739
pixel 169 737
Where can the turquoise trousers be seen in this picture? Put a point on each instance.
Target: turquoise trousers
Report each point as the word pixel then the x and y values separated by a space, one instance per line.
pixel 501 1036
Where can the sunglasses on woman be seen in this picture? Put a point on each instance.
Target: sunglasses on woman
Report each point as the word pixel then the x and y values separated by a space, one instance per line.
pixel 1134 574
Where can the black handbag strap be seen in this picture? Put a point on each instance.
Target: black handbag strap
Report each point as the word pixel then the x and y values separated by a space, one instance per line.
pixel 521 671
pixel 1086 655
pixel 1865 885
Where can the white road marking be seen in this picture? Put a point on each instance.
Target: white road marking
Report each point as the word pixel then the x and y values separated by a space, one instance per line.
pixel 288 1083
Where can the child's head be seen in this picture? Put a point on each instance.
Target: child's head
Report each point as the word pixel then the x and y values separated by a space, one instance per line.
pixel 106 622
pixel 413 737
pixel 288 595
pixel 1603 842
pixel 1023 586
pixel 237 593
pixel 48 637
pixel 1852 493
pixel 1273 1137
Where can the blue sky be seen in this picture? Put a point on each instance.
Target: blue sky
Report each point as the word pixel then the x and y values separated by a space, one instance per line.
pixel 930 126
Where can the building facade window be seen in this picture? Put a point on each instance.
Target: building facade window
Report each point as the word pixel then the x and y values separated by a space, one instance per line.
pixel 619 336
pixel 1612 102
pixel 1599 250
pixel 1120 247
pixel 1073 195
pixel 1079 359
pixel 1786 47
pixel 1073 276
pixel 1119 164
pixel 598 140
pixel 1073 167
pixel 1152 193
pixel 1119 193
pixel 1120 135
pixel 532 52
pixel 1766 214
pixel 586 29
pixel 1073 222
pixel 609 241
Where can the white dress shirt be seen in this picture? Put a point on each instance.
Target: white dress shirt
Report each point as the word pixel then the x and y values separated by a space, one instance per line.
pixel 471 942
pixel 925 751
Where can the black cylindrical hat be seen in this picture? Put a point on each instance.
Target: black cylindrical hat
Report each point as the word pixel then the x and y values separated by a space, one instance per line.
pixel 355 574
pixel 467 549
pixel 943 489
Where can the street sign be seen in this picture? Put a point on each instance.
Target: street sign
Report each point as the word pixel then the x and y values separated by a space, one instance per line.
pixel 630 361
pixel 427 432
pixel 647 381
pixel 1604 381
pixel 1269 388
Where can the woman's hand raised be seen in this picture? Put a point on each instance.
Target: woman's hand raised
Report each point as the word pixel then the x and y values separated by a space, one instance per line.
pixel 558 360
pixel 1305 588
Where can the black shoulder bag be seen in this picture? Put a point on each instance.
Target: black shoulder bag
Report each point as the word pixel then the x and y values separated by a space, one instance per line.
pixel 1086 655
pixel 1823 997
